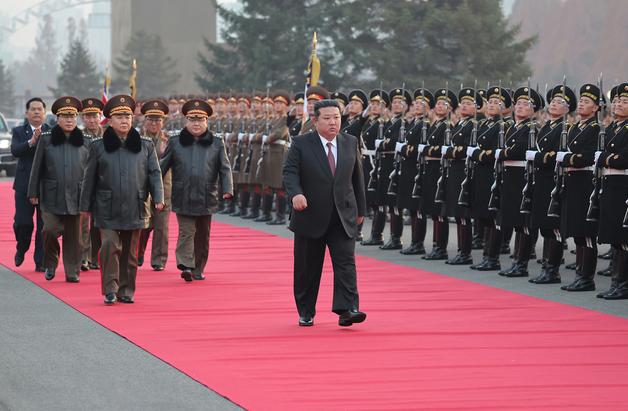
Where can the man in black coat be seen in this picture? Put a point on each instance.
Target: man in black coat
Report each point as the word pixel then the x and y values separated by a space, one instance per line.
pixel 324 180
pixel 23 145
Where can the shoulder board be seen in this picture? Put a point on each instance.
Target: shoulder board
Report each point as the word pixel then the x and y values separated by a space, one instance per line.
pixel 46 133
pixel 594 124
pixel 146 138
pixel 96 139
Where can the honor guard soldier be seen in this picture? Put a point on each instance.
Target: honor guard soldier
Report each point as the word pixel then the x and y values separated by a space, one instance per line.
pixel 512 159
pixel 230 138
pixel 613 214
pixel 122 171
pixel 155 113
pixel 55 183
pixel 372 131
pixel 240 177
pixel 446 102
pixel 198 161
pixel 257 130
pixel 483 157
pixel 313 94
pixel 268 106
pixel 90 236
pixel 343 101
pixel 354 120
pixel 295 119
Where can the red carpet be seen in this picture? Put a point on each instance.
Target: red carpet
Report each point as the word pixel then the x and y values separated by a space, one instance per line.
pixel 430 341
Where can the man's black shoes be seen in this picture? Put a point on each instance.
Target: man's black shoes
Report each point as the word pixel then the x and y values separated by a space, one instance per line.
pixel 49 274
pixel 19 258
pixel 110 298
pixel 306 321
pixel 348 318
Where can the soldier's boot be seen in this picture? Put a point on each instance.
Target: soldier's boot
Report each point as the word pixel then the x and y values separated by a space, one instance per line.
pixel 441 238
pixel 617 275
pixel 479 235
pixel 522 255
pixel 608 271
pixel 241 204
pixel 543 259
pixel 230 205
pixel 418 226
pixel 578 263
pixel 379 222
pixel 396 230
pixel 492 245
pixel 585 277
pixel 256 200
pixel 607 255
pixel 485 247
pixel 267 205
pixel 465 240
pixel 280 214
pixel 554 254
pixel 506 237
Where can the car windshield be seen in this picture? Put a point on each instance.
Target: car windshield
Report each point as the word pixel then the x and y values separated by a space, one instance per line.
pixel 3 126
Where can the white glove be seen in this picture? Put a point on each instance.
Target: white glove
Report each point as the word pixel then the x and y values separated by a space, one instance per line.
pixel 443 150
pixel 560 156
pixel 471 150
pixel 531 155
pixel 399 147
pixel 265 139
pixel 422 147
pixel 499 150
pixel 378 143
pixel 240 136
pixel 597 156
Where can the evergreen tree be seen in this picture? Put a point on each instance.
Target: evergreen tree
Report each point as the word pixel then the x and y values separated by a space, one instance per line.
pixel 7 96
pixel 77 75
pixel 41 66
pixel 155 70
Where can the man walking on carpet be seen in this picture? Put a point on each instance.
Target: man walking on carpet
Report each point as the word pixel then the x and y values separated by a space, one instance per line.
pixel 324 180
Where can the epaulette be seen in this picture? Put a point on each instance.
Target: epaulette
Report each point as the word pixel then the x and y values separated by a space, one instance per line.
pixel 94 139
pixel 46 133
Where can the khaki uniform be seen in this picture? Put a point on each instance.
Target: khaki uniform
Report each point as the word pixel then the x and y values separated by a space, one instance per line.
pixel 274 157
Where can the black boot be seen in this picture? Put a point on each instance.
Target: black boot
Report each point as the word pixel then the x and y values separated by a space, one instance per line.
pixel 267 204
pixel 464 245
pixel 608 271
pixel 396 229
pixel 620 292
pixel 280 214
pixel 256 200
pixel 479 235
pixel 522 255
pixel 418 235
pixel 607 255
pixel 441 238
pixel 379 221
pixel 491 251
pixel 614 274
pixel 584 276
pixel 554 254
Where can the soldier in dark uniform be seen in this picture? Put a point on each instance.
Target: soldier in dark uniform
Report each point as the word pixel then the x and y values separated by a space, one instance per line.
pixel 122 171
pixel 400 103
pixel 354 120
pixel 155 112
pixel 423 102
pixel 90 236
pixel 296 115
pixel 198 161
pixel 241 135
pixel 484 175
pixel 577 181
pixel 343 101
pixel 613 227
pixel 446 102
pixel 55 183
pixel 512 157
pixel 560 102
pixel 468 101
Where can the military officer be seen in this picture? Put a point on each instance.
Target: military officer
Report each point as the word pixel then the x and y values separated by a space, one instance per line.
pixel 122 170
pixel 257 130
pixel 240 177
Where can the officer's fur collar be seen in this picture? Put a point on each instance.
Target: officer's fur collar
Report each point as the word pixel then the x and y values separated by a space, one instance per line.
pixel 112 142
pixel 57 136
pixel 188 139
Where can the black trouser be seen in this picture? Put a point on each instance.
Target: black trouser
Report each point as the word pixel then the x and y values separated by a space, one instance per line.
pixel 419 226
pixel 464 235
pixel 440 232
pixel 309 255
pixel 586 249
pixel 23 227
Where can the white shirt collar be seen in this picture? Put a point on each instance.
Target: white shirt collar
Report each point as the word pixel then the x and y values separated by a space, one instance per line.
pixel 324 141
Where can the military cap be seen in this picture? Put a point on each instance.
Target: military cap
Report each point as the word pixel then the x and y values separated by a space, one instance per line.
pixel 425 94
pixel 482 93
pixel 221 99
pixel 380 95
pixel 500 93
pixel 66 105
pixel 155 107
pixel 317 93
pixel 448 96
pixel 92 105
pixel 569 96
pixel 299 98
pixel 398 93
pixel 472 95
pixel 258 97
pixel 196 107
pixel 622 90
pixel 244 98
pixel 529 94
pixel 340 97
pixel 359 95
pixel 281 96
pixel 232 99
pixel 593 92
pixel 120 104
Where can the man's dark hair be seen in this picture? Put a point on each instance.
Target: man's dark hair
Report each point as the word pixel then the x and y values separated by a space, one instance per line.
pixel 324 103
pixel 28 103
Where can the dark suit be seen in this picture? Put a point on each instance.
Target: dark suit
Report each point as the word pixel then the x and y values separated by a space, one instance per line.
pixel 24 210
pixel 334 203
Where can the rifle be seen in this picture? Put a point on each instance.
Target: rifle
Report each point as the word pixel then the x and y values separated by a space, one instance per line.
pixel 593 213
pixel 260 162
pixel 554 206
pixel 238 158
pixel 418 179
pixel 494 200
pixel 374 174
pixel 464 199
pixel 526 194
pixel 249 156
pixel 441 192
pixel 394 175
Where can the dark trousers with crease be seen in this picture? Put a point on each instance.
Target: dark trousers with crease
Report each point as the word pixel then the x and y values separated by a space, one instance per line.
pixel 309 255
pixel 23 227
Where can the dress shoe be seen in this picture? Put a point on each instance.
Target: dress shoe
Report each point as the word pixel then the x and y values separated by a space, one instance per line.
pixel 252 215
pixel 40 269
pixel 306 321
pixel 477 244
pixel 198 276
pixel 580 284
pixel 460 259
pixel 263 218
pixel 607 272
pixel 19 258
pixel 126 300
pixel 605 293
pixel 571 266
pixel 84 265
pixel 348 318
pixel 140 261
pixel 517 270
pixel 489 264
pixel 94 266
pixel 437 253
pixel 393 244
pixel 277 221
pixel 110 298
pixel 475 266
pixel 72 279
pixel 49 274
pixel 373 241
pixel 545 278
pixel 617 293
pixel 414 249
pixel 158 267
pixel 186 275
pixel 606 256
